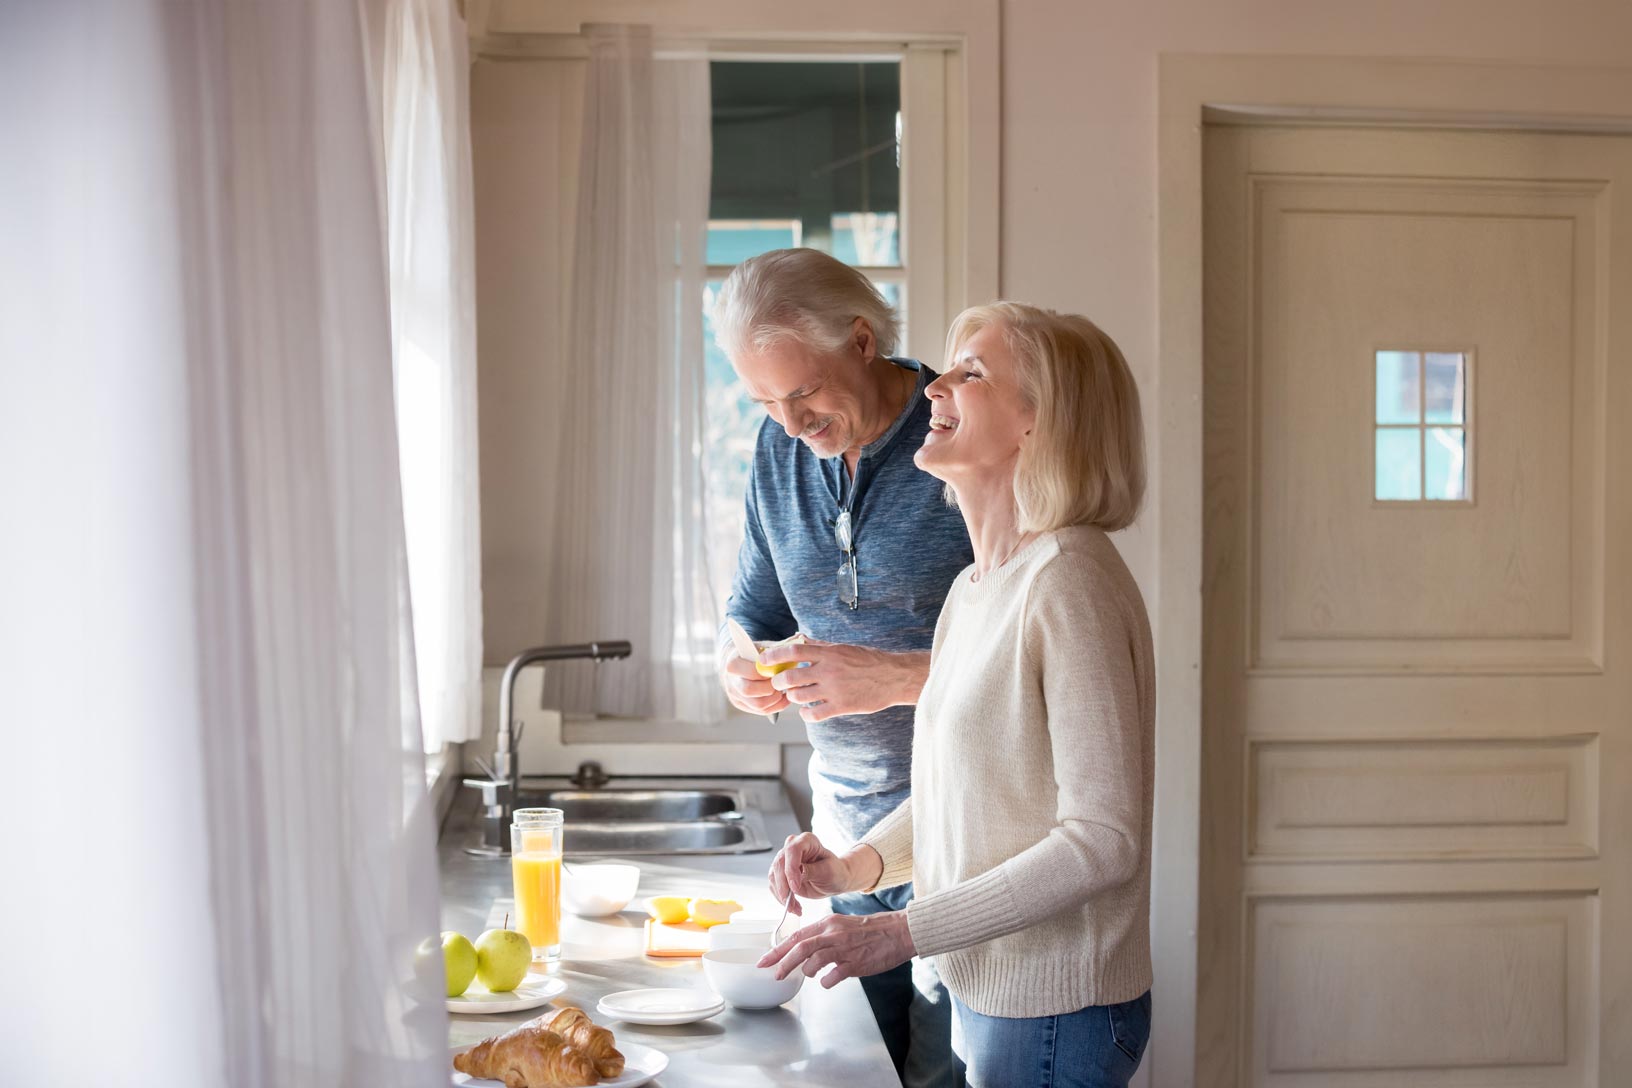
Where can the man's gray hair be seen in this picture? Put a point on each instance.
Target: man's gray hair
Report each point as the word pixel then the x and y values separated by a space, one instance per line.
pixel 802 295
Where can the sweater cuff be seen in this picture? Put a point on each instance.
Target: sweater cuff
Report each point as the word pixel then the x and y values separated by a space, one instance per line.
pixel 978 909
pixel 892 838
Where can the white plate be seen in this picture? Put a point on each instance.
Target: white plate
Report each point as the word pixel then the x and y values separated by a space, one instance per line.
pixel 640 1064
pixel 662 1021
pixel 665 1007
pixel 535 990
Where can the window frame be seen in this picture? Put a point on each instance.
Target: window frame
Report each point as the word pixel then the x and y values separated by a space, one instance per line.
pixel 950 57
pixel 922 272
pixel 1421 426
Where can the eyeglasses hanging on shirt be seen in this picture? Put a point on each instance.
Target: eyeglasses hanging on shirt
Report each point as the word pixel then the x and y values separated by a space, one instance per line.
pixel 847 570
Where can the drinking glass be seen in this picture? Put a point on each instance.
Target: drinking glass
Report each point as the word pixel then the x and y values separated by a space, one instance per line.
pixel 535 870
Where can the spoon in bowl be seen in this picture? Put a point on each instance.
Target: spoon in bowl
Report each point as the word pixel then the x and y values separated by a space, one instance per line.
pixel 785 908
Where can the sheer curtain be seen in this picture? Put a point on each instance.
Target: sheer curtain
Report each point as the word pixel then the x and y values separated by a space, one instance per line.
pixel 631 531
pixel 209 696
pixel 424 91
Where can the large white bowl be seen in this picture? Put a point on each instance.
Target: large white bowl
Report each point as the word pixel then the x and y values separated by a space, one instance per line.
pixel 593 891
pixel 732 974
pixel 755 933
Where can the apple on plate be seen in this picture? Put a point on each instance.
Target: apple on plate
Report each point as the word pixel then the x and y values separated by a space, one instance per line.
pixel 502 958
pixel 459 961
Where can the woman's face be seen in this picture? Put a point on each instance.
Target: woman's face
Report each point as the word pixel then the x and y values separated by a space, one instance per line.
pixel 979 417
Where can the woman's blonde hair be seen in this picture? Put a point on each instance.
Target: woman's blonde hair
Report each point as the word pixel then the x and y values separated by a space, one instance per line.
pixel 802 295
pixel 1085 461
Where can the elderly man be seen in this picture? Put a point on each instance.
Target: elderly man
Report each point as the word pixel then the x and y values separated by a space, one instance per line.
pixel 848 543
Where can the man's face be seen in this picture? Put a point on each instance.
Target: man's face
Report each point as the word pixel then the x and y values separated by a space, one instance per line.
pixel 817 397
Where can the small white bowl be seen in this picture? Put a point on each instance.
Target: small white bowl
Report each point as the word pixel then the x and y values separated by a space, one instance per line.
pixel 755 933
pixel 732 974
pixel 593 891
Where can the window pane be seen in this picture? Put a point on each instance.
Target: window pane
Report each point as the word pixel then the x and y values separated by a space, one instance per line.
pixel 1397 387
pixel 731 241
pixel 1444 387
pixel 812 142
pixel 1399 473
pixel 1445 464
pixel 867 238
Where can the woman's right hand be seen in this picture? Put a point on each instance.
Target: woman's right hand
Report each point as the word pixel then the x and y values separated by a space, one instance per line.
pixel 804 867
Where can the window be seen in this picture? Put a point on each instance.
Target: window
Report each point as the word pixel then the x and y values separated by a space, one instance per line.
pixel 806 153
pixel 1421 426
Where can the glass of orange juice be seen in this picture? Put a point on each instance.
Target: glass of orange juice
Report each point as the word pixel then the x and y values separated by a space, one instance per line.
pixel 535 870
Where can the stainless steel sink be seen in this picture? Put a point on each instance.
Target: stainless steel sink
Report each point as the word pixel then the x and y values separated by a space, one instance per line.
pixel 625 837
pixel 648 805
pixel 653 819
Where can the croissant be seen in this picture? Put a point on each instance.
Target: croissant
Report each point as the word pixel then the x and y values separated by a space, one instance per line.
pixel 529 1056
pixel 575 1026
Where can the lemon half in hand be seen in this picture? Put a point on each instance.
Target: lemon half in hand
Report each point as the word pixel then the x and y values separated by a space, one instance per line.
pixel 769 671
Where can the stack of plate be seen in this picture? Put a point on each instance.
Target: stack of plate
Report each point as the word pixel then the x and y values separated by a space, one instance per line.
pixel 661 1007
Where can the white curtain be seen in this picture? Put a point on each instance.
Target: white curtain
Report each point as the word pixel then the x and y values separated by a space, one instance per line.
pixel 631 533
pixel 221 857
pixel 424 92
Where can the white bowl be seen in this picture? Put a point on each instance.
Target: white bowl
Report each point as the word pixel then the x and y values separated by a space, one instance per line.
pixel 596 890
pixel 750 934
pixel 732 974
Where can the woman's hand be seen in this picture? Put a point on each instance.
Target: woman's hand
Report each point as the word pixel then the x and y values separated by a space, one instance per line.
pixel 805 867
pixel 840 679
pixel 855 944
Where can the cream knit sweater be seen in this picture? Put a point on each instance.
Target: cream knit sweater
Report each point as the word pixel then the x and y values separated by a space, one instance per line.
pixel 1027 835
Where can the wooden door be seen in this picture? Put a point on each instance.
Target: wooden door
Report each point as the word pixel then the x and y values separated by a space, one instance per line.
pixel 1417 726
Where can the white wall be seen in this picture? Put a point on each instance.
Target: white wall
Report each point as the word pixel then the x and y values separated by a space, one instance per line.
pixel 549 746
pixel 1078 225
pixel 525 123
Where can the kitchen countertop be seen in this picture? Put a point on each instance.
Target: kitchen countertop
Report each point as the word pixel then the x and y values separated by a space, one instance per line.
pixel 821 1037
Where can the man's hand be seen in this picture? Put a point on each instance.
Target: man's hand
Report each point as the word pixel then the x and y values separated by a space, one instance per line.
pixel 805 867
pixel 856 944
pixel 842 679
pixel 744 687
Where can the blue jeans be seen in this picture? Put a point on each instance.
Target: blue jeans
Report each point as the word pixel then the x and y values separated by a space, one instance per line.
pixel 1096 1047
pixel 913 1009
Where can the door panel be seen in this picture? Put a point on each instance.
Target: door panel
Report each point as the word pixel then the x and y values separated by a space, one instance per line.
pixel 1476 984
pixel 1465 799
pixel 1416 714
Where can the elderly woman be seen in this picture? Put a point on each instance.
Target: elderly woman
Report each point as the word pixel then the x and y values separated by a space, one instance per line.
pixel 1027 832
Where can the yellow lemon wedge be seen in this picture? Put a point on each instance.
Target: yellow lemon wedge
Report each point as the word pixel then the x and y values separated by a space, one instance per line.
pixel 769 671
pixel 668 909
pixel 713 912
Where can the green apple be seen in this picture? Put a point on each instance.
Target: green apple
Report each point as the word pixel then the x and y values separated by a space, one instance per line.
pixel 459 961
pixel 502 956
